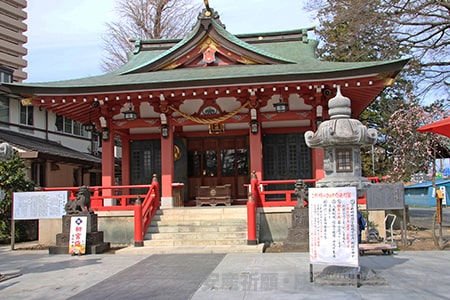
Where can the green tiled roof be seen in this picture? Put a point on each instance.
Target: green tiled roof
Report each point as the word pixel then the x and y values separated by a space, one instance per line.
pixel 295 60
pixel 308 69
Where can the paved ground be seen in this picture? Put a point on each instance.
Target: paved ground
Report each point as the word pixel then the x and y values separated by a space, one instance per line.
pixel 404 275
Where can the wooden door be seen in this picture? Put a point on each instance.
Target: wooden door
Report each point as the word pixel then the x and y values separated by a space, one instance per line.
pixel 218 161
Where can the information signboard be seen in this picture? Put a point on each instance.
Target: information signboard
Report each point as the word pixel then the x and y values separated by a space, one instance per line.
pixel 333 227
pixel 39 205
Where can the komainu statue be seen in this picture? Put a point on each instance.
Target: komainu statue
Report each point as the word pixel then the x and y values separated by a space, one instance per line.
pixel 81 204
pixel 301 190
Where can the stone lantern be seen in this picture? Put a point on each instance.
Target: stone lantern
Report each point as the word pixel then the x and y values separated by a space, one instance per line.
pixel 341 138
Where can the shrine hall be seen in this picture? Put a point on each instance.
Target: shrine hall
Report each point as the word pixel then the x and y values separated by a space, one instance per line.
pixel 213 107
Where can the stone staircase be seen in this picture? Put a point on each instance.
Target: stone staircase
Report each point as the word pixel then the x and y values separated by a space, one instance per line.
pixel 220 229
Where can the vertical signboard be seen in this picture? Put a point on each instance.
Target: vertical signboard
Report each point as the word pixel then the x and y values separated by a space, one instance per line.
pixel 444 194
pixel 77 239
pixel 333 228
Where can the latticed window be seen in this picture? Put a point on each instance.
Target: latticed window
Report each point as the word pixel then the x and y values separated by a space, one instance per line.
pixel 286 156
pixel 145 161
pixel 228 162
pixel 344 161
pixel 194 163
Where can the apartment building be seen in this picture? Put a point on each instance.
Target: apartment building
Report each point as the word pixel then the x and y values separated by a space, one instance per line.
pixel 12 37
pixel 58 151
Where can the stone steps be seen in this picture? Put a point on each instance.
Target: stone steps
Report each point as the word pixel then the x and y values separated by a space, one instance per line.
pixel 202 228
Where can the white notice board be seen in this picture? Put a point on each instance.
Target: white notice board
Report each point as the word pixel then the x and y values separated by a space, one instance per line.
pixel 39 205
pixel 333 226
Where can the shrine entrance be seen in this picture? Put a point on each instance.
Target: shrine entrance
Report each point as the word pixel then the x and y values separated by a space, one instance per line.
pixel 218 161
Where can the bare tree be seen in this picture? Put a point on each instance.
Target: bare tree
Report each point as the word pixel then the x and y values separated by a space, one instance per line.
pixel 420 29
pixel 142 20
pixel 424 27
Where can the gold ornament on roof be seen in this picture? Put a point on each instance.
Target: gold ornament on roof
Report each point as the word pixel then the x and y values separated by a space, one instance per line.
pixel 208 10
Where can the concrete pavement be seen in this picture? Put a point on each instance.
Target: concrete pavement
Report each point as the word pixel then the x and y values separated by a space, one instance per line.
pixel 404 275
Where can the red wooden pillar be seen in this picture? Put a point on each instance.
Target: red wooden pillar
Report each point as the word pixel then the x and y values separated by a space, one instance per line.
pixel 256 158
pixel 126 163
pixel 317 163
pixel 251 212
pixel 167 169
pixel 125 160
pixel 318 154
pixel 107 162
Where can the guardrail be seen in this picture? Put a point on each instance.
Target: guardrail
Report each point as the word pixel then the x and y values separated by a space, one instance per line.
pixel 120 197
pixel 261 195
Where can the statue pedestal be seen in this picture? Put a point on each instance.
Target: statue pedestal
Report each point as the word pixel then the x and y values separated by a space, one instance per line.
pixel 298 234
pixel 94 238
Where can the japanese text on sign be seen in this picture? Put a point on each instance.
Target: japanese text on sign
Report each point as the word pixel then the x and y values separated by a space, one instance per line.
pixel 39 205
pixel 77 239
pixel 333 227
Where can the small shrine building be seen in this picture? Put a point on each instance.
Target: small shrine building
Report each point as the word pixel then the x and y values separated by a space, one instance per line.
pixel 212 107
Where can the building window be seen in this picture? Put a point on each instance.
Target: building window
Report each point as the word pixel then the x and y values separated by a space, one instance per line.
pixel 344 161
pixel 6 74
pixel 4 109
pixel 66 125
pixel 26 115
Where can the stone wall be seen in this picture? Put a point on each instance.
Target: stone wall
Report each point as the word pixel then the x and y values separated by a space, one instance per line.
pixel 117 227
pixel 273 223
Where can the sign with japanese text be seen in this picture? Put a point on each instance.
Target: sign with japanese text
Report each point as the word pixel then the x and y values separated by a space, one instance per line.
pixel 333 227
pixel 77 239
pixel 39 205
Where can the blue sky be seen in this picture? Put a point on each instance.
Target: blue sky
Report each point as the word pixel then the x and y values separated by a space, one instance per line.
pixel 64 37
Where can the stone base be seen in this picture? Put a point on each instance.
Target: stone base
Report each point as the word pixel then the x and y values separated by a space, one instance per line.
pixel 94 238
pixel 90 249
pixel 298 235
pixel 300 247
pixel 339 275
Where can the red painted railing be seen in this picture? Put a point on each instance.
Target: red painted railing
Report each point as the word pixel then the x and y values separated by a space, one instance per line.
pixel 259 196
pixel 143 205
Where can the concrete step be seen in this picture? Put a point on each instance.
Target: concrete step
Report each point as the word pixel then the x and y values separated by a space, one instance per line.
pixel 205 227
pixel 204 242
pixel 195 214
pixel 198 227
pixel 196 235
pixel 150 249
pixel 198 223
pixel 226 210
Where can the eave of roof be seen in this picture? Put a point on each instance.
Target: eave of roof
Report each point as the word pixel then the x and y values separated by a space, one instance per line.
pixel 200 77
pixel 40 148
pixel 427 184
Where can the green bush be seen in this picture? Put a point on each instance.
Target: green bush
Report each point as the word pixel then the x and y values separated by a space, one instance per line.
pixel 12 179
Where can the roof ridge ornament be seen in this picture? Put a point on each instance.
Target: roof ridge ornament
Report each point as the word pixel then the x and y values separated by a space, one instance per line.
pixel 208 9
pixel 211 14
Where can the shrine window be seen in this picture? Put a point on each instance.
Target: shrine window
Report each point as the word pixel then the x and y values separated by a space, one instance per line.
pixel 195 163
pixel 344 162
pixel 210 163
pixel 242 161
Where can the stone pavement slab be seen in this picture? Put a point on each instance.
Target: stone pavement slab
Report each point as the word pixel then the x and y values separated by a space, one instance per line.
pixel 171 276
pixel 405 275
pixel 55 277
